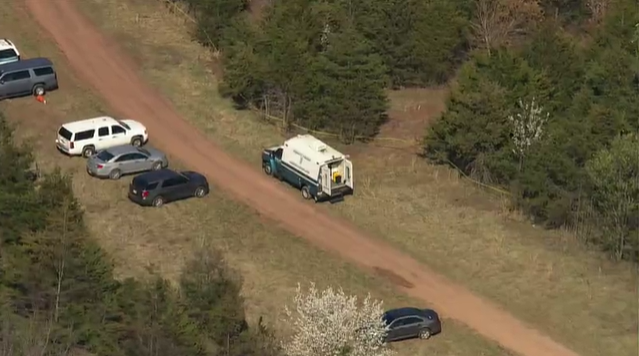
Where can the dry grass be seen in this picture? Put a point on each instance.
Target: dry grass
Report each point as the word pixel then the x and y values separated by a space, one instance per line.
pixel 442 220
pixel 271 261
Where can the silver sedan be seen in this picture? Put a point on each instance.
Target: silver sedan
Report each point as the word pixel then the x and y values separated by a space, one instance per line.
pixel 117 161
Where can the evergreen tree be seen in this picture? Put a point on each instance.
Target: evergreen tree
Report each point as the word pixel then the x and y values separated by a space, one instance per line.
pixel 421 42
pixel 346 92
pixel 213 17
pixel 475 133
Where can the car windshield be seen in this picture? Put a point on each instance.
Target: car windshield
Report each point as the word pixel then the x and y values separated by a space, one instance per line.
pixel 144 152
pixel 123 124
pixel 8 53
pixel 387 319
pixel 105 156
pixel 65 133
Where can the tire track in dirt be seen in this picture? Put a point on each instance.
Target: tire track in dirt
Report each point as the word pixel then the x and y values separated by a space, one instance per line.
pixel 100 62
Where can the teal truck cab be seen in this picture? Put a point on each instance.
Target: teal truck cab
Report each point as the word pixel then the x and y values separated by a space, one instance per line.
pixel 319 171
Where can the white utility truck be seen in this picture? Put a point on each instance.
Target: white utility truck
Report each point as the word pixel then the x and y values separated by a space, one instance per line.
pixel 318 170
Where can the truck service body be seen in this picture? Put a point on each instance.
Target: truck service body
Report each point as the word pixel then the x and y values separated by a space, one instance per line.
pixel 318 170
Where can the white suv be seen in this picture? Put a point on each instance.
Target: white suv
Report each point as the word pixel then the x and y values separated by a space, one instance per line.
pixel 86 137
pixel 8 52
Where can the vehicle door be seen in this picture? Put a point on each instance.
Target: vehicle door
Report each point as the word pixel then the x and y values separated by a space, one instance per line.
pixel 349 179
pixel 118 135
pixel 395 329
pixel 126 163
pixel 15 84
pixel 175 188
pixel 275 161
pixel 411 326
pixel 183 187
pixel 325 180
pixel 140 162
pixel 104 138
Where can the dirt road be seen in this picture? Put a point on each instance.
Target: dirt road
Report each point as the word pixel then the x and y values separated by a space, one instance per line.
pixel 106 68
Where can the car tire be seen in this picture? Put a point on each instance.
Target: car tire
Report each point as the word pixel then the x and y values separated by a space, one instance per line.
pixel 158 201
pixel 88 151
pixel 200 192
pixel 136 141
pixel 267 169
pixel 157 166
pixel 425 334
pixel 115 174
pixel 306 192
pixel 38 90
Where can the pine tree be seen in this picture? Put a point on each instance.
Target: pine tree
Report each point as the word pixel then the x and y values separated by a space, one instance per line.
pixel 346 91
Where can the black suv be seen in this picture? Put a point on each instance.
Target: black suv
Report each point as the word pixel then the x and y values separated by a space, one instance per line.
pixel 405 323
pixel 162 186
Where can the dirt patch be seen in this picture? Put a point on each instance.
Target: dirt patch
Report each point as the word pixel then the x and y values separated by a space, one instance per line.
pixel 393 277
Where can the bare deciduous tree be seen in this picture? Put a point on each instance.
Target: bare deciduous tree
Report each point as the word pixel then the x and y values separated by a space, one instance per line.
pixel 498 21
pixel 331 323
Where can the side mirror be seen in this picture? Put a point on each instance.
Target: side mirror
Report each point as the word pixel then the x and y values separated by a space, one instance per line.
pixel 1 82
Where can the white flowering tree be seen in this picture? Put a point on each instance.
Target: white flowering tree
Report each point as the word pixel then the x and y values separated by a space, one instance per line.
pixel 331 323
pixel 527 125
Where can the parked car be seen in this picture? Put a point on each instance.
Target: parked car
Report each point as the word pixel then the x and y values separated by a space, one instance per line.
pixel 405 323
pixel 156 188
pixel 86 137
pixel 8 52
pixel 30 76
pixel 120 160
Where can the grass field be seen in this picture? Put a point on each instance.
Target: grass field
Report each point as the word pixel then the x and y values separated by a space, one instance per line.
pixel 446 222
pixel 271 261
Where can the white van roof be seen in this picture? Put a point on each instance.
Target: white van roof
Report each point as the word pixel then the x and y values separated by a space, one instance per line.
pixel 317 150
pixel 92 123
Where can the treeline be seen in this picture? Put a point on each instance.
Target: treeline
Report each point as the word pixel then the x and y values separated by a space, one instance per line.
pixel 59 296
pixel 545 93
pixel 555 119
pixel 326 64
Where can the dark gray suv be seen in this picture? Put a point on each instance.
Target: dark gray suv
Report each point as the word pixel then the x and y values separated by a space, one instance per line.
pixel 33 76
pixel 156 188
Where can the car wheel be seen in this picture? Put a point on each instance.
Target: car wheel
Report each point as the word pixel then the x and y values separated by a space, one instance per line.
pixel 200 192
pixel 424 334
pixel 115 174
pixel 158 201
pixel 136 141
pixel 306 193
pixel 88 152
pixel 267 169
pixel 38 90
pixel 157 166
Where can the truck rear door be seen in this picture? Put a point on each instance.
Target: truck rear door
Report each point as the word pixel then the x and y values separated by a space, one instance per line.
pixel 348 172
pixel 325 180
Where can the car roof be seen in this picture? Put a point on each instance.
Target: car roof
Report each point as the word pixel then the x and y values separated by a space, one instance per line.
pixel 118 150
pixel 393 314
pixel 7 44
pixel 160 174
pixel 25 64
pixel 92 123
